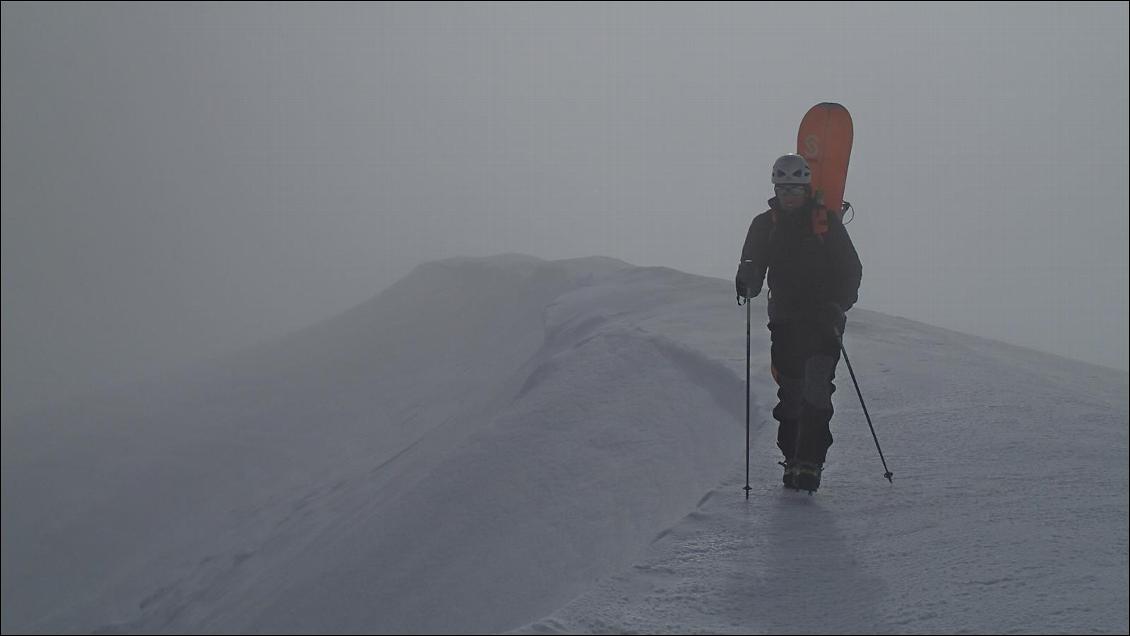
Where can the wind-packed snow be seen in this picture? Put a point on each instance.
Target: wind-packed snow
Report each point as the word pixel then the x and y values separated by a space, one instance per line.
pixel 514 444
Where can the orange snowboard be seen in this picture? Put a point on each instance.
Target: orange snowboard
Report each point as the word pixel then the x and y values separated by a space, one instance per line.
pixel 824 139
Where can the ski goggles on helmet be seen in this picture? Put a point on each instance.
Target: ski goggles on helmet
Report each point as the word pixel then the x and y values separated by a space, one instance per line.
pixel 791 190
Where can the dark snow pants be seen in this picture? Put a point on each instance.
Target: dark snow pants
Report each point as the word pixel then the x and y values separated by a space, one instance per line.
pixel 805 354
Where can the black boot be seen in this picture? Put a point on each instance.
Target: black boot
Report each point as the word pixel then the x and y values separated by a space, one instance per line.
pixel 807 476
pixel 789 478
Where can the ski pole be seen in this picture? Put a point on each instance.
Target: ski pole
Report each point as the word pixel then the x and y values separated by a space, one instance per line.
pixel 888 474
pixel 747 355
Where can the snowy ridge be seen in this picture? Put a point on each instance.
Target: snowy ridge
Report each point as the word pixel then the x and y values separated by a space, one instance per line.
pixel 505 442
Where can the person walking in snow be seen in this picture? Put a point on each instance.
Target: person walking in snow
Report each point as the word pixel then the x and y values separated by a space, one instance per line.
pixel 814 274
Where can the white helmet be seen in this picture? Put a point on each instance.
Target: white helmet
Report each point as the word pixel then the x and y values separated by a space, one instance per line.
pixel 791 169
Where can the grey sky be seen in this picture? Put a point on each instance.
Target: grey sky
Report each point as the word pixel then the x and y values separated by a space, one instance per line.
pixel 183 180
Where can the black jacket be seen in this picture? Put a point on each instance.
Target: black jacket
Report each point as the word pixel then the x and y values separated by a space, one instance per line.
pixel 805 270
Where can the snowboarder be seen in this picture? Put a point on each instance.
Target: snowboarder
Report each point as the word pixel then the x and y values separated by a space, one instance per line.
pixel 813 274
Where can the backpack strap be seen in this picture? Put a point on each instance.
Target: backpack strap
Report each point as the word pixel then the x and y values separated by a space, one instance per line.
pixel 820 221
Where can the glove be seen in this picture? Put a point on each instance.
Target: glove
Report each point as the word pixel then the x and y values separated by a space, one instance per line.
pixel 747 282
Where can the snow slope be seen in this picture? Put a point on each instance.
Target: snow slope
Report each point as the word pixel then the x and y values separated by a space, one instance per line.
pixel 514 444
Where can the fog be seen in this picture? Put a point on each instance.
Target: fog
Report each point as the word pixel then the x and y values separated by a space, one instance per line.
pixel 181 181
